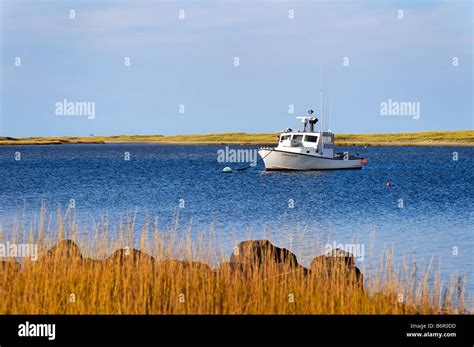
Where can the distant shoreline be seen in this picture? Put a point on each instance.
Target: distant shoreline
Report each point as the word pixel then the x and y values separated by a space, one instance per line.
pixel 428 138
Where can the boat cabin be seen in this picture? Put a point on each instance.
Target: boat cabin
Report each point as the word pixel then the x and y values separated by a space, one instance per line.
pixel 309 142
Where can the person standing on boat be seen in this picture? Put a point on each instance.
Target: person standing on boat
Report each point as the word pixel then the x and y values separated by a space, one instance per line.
pixel 312 121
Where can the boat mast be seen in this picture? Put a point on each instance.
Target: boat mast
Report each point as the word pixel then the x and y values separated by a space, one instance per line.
pixel 321 96
pixel 329 114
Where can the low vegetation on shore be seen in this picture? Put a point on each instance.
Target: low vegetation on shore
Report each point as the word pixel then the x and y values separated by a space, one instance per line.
pixel 430 138
pixel 170 274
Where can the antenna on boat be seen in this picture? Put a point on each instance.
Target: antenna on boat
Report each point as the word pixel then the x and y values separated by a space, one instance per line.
pixel 329 114
pixel 321 96
pixel 322 119
pixel 326 111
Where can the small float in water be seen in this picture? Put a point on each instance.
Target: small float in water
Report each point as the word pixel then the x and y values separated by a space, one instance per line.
pixel 228 169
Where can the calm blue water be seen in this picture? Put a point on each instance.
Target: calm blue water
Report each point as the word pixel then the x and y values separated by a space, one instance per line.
pixel 342 206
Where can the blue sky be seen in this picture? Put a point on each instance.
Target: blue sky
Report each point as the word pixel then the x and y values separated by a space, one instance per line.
pixel 190 61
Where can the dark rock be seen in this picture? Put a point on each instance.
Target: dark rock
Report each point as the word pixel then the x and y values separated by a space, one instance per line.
pixel 65 249
pixel 283 271
pixel 10 264
pixel 259 252
pixel 359 277
pixel 130 255
pixel 231 267
pixel 183 265
pixel 337 262
pixel 334 257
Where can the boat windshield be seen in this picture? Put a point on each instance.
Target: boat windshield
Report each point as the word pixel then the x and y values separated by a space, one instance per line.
pixel 311 138
pixel 328 139
pixel 297 140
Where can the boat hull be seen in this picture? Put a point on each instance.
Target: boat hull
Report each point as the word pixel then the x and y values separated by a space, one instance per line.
pixel 281 160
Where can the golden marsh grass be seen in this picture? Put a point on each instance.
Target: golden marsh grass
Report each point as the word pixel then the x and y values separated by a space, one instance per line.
pixel 427 138
pixel 105 275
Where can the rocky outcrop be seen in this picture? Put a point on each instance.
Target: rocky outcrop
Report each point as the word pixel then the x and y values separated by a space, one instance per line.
pixel 183 265
pixel 260 255
pixel 335 257
pixel 65 249
pixel 131 256
pixel 337 262
pixel 260 252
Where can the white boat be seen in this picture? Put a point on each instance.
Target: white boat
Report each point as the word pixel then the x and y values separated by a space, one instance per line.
pixel 308 150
